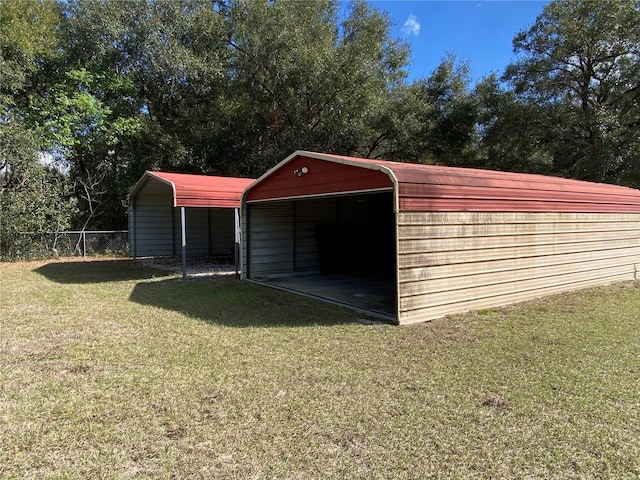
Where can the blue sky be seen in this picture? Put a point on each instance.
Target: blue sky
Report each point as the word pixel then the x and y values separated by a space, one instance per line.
pixel 479 32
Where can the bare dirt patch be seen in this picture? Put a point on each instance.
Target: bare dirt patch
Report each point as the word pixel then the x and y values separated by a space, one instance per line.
pixel 196 266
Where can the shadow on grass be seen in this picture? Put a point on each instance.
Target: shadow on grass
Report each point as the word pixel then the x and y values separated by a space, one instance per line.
pixel 236 303
pixel 97 271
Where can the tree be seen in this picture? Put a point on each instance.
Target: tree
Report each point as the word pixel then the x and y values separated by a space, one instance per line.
pixel 301 79
pixel 84 133
pixel 34 198
pixel 432 120
pixel 133 82
pixel 226 87
pixel 513 133
pixel 450 136
pixel 29 36
pixel 580 62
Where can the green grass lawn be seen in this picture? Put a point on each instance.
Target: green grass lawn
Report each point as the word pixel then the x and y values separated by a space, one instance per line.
pixel 110 370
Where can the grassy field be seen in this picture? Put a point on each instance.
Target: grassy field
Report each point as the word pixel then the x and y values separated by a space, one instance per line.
pixel 112 370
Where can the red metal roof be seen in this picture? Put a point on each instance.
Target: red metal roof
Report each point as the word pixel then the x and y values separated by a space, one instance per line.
pixel 200 190
pixel 321 178
pixel 435 188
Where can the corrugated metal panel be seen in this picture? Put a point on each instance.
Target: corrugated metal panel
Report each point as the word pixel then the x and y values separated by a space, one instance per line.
pixel 155 222
pixel 197 230
pixel 157 231
pixel 621 253
pixel 434 188
pixel 199 190
pixel 152 211
pixel 270 239
pixel 320 234
pixel 511 205
pixel 451 262
pixel 430 188
pixel 420 308
pixel 463 305
pixel 511 276
pixel 441 293
pixel 321 177
pixel 513 241
pixel 308 215
pixel 515 224
pixel 486 255
pixel 222 236
pixel 131 225
pixel 210 231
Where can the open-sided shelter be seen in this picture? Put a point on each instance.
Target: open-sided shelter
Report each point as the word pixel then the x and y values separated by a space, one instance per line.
pixel 172 214
pixel 412 242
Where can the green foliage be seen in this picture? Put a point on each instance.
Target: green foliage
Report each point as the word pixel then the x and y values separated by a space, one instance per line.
pixel 28 34
pixel 580 62
pixel 512 131
pixel 75 119
pixel 112 88
pixel 451 132
pixel 431 120
pixel 70 114
pixel 220 88
pixel 33 198
pixel 302 79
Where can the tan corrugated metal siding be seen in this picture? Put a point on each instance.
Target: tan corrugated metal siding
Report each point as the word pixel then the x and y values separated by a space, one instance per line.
pixel 451 262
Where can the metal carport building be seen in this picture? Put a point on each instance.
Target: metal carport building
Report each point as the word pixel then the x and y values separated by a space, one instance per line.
pixel 411 242
pixel 173 214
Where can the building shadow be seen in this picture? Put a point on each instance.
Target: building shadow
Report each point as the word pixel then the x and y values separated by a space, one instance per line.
pixel 98 271
pixel 232 302
pixel 217 299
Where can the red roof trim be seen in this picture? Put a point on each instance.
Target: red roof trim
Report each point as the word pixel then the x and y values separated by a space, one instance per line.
pixel 307 176
pixel 433 188
pixel 200 190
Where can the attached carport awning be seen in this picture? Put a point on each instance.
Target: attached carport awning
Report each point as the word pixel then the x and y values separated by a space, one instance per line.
pixel 199 190
pixel 196 191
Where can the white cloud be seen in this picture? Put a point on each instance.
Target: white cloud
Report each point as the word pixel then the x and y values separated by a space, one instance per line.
pixel 411 26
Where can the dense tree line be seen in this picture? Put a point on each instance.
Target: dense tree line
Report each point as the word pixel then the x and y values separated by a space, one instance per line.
pixel 95 92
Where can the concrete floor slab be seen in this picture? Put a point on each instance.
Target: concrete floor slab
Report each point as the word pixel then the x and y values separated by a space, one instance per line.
pixel 375 294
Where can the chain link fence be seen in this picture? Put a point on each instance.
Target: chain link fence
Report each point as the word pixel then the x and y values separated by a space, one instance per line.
pixel 29 246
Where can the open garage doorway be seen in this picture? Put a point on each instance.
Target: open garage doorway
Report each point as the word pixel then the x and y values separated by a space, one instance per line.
pixel 340 248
